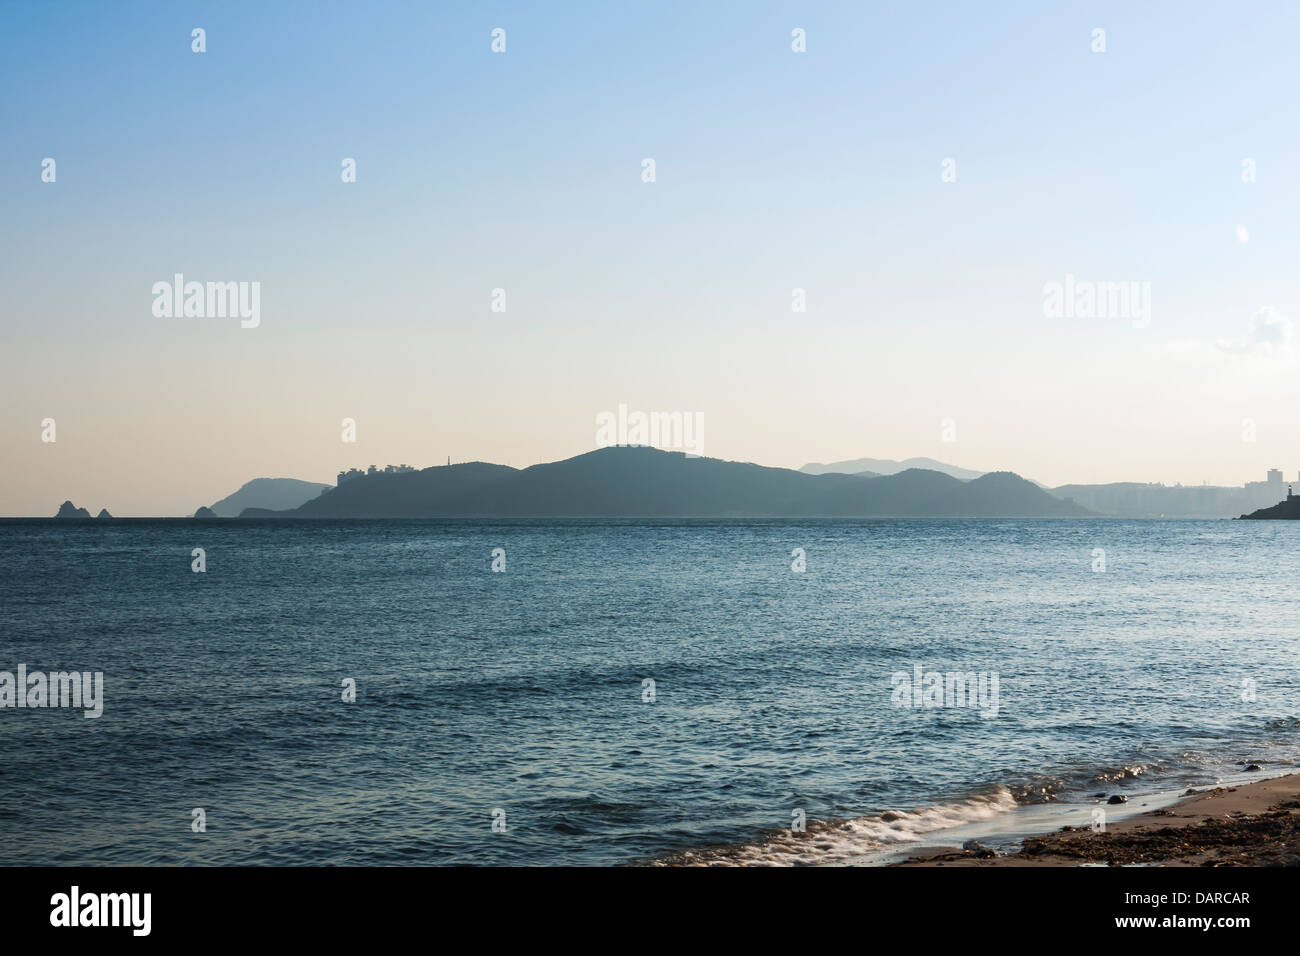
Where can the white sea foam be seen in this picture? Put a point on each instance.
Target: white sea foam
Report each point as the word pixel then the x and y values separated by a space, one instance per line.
pixel 844 840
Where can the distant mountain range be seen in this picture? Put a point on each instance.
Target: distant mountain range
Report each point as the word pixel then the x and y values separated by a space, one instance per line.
pixel 1121 499
pixel 887 466
pixel 647 482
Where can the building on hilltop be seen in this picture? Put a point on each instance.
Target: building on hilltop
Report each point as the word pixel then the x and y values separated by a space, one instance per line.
pixel 352 473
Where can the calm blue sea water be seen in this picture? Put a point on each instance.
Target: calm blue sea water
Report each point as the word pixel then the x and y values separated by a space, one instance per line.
pixel 523 690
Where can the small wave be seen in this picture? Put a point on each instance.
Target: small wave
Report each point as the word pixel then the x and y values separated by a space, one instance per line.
pixel 836 841
pixel 1079 782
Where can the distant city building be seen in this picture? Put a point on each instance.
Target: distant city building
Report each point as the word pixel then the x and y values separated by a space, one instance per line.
pixel 352 473
pixel 1272 486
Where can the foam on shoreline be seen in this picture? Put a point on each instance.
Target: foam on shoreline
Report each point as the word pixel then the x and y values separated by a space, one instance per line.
pixel 843 841
pixel 1000 820
pixel 1246 823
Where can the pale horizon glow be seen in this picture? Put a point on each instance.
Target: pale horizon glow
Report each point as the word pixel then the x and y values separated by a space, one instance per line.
pixel 775 171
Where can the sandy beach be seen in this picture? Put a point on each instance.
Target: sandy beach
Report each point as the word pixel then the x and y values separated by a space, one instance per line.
pixel 1253 824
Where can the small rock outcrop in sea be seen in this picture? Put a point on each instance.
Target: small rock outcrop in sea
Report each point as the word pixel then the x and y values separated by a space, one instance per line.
pixel 205 512
pixel 1286 509
pixel 103 515
pixel 1118 798
pixel 69 510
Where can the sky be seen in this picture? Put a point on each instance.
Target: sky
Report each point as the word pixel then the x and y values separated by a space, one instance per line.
pixel 926 330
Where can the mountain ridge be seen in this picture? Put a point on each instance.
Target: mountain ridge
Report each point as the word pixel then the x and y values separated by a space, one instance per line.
pixel 628 481
pixel 276 494
pixel 888 466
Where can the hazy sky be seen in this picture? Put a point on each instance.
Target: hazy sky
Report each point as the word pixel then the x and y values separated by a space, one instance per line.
pixel 522 170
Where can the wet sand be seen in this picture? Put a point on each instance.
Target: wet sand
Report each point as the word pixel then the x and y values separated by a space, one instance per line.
pixel 1253 824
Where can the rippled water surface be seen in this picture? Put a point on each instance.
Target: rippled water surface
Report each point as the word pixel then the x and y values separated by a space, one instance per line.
pixel 523 690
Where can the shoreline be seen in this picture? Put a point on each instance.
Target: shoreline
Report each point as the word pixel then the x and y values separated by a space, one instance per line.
pixel 1248 824
pixel 1255 821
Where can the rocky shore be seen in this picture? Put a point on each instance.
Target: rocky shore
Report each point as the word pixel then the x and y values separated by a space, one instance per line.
pixel 1254 824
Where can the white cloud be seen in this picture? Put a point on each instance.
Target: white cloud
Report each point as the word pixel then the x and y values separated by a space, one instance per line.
pixel 1270 334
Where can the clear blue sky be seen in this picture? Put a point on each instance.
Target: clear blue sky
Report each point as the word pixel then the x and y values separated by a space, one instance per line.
pixel 522 171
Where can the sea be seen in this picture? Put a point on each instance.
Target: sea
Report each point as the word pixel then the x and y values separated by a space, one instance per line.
pixel 626 692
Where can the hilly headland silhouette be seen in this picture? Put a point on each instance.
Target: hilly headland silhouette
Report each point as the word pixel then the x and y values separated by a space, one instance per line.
pixel 633 481
pixel 1288 509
